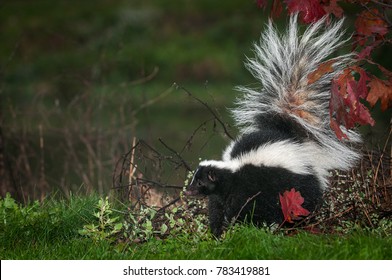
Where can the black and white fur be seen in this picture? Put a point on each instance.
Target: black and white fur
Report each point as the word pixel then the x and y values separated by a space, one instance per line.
pixel 286 141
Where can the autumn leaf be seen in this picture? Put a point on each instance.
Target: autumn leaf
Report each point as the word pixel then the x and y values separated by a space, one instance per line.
pixel 291 202
pixel 309 10
pixel 370 22
pixel 345 106
pixel 324 68
pixel 369 25
pixel 365 53
pixel 380 89
pixel 276 8
pixel 333 8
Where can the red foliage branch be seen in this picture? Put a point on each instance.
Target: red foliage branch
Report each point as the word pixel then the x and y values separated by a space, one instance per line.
pixel 372 30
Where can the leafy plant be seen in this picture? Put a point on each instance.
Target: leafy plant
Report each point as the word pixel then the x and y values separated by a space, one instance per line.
pixel 107 225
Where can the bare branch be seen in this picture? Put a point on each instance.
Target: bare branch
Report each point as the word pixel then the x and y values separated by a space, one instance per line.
pixel 176 154
pixel 210 110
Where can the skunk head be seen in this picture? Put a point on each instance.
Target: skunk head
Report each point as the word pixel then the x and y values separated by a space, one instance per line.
pixel 205 181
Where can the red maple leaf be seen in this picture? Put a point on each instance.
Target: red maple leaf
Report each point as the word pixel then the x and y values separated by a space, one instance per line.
pixel 369 25
pixel 370 22
pixel 309 10
pixel 291 202
pixel 345 107
pixel 380 90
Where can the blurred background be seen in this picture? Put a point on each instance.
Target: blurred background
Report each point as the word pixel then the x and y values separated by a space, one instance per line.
pixel 81 81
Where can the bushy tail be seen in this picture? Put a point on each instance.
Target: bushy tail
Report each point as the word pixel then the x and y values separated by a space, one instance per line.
pixel 283 65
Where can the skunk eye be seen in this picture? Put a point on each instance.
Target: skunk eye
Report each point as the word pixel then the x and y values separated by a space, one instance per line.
pixel 211 176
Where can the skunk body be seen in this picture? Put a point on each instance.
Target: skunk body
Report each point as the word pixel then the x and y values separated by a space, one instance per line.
pixel 286 141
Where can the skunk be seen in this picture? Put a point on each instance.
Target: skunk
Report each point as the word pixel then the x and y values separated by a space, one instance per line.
pixel 285 138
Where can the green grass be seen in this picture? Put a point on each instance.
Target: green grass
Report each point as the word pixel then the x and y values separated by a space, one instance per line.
pixel 253 243
pixel 50 230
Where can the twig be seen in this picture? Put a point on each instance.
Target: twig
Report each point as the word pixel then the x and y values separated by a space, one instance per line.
pixel 382 4
pixel 176 154
pixel 132 168
pixel 123 161
pixel 162 209
pixel 381 157
pixel 152 101
pixel 145 79
pixel 243 206
pixel 148 181
pixel 189 141
pixel 209 109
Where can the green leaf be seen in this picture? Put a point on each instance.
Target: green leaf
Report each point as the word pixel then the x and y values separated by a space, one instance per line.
pixel 164 228
pixel 118 226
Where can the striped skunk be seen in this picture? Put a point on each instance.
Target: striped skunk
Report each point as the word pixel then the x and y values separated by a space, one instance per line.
pixel 285 138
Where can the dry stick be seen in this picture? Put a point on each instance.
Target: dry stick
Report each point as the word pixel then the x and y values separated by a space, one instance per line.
pixel 189 141
pixel 124 159
pixel 78 165
pixel 243 206
pixel 132 169
pixel 145 79
pixel 382 155
pixel 43 184
pixel 151 182
pixel 335 216
pixel 152 101
pixel 176 154
pixel 209 109
pixel 92 157
pixel 382 4
pixel 142 180
pixel 169 204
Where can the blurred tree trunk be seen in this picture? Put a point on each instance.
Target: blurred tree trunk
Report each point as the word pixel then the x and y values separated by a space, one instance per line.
pixel 7 179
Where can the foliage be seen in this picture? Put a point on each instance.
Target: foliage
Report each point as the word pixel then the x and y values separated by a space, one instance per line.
pixel 14 215
pixel 372 30
pixel 42 222
pixel 291 202
pixel 38 236
pixel 352 202
pixel 106 226
pixel 144 223
pixel 148 224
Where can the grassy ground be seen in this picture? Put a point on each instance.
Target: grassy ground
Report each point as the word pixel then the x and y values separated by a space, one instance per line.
pixel 50 230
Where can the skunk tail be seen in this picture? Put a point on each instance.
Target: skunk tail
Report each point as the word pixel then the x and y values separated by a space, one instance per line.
pixel 283 65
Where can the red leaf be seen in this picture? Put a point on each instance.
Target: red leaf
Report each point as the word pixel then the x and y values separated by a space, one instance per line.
pixel 334 8
pixel 345 107
pixel 370 29
pixel 309 10
pixel 365 52
pixel 276 8
pixel 291 202
pixel 380 89
pixel 322 69
pixel 370 22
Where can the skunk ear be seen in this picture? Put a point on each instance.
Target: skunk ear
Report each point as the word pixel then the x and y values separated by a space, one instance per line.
pixel 211 176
